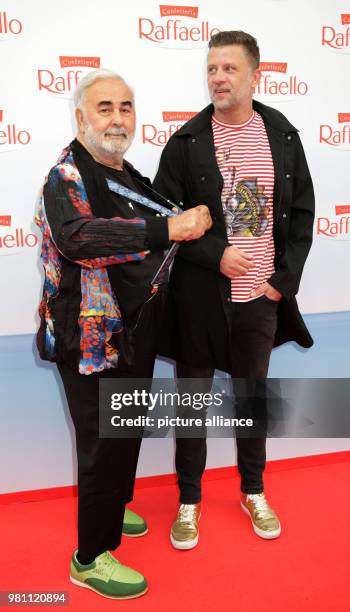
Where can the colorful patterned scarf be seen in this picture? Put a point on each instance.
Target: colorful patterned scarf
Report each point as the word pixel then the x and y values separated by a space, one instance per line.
pixel 99 311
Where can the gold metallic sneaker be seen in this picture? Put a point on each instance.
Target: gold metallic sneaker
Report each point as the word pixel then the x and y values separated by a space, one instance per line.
pixel 184 532
pixel 264 520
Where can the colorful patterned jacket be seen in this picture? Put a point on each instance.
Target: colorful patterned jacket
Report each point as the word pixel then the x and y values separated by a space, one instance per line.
pixel 76 250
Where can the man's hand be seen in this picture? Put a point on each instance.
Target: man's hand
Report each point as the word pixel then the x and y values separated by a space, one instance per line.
pixel 191 224
pixel 235 262
pixel 269 291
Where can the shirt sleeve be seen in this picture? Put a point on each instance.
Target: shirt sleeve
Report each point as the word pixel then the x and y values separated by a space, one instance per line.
pixel 79 236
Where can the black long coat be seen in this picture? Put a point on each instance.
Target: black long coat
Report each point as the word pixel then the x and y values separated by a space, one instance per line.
pixel 195 322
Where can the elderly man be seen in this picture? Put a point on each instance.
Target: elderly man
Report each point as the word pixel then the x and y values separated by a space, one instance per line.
pixel 233 291
pixel 102 246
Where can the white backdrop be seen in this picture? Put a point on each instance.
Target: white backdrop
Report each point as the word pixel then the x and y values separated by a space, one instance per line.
pixel 160 50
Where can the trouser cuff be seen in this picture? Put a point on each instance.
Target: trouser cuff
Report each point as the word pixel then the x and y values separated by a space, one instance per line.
pixel 252 490
pixel 185 499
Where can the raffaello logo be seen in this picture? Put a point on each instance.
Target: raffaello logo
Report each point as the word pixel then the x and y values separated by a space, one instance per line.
pixel 338 227
pixel 9 25
pixel 179 27
pixel 5 220
pixel 15 240
pixel 276 83
pixel 12 135
pixel 158 135
pixel 337 135
pixel 338 36
pixel 65 81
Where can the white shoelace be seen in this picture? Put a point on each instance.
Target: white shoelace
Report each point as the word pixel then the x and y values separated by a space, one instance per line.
pixel 260 503
pixel 187 512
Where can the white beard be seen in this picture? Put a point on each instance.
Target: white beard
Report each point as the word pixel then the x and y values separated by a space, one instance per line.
pixel 105 146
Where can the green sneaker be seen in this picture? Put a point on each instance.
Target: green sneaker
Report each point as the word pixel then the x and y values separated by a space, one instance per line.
pixel 108 577
pixel 133 525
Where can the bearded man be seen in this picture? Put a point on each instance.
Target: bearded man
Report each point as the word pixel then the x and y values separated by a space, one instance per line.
pixel 102 246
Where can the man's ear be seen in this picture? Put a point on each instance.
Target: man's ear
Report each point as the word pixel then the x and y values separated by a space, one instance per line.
pixel 257 77
pixel 79 119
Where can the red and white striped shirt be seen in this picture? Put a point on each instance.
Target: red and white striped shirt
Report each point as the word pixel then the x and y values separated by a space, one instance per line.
pixel 244 157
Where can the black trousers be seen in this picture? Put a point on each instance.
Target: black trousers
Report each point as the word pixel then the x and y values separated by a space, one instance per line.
pixel 106 466
pixel 253 327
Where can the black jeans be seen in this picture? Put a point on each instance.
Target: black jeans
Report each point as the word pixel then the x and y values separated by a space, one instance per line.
pixel 253 327
pixel 106 466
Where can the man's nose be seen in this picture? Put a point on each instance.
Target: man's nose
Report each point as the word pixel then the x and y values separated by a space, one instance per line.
pixel 219 76
pixel 117 117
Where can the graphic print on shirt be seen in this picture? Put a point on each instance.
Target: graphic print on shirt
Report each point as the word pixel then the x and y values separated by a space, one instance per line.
pixel 245 162
pixel 245 205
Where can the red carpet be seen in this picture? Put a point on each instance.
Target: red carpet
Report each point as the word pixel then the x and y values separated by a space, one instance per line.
pixel 306 569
